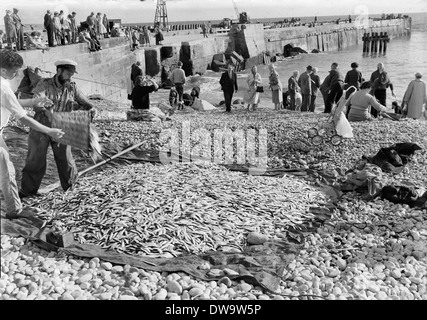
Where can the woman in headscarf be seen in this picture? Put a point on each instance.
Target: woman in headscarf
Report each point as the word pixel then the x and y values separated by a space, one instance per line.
pixel 360 103
pixel 275 86
pixel 415 98
pixel 252 96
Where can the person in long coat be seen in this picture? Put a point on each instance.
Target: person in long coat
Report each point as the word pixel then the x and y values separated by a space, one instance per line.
pixel 252 96
pixel 106 24
pixel 304 83
pixel 293 88
pixel 10 29
pixel 48 26
pixel 57 28
pixel 20 43
pixel 275 86
pixel 415 98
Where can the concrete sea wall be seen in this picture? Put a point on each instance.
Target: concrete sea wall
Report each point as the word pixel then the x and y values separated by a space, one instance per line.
pixel 104 72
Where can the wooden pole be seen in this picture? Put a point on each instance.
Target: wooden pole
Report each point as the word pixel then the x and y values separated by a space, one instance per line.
pixel 367 42
pixel 387 39
pixel 381 40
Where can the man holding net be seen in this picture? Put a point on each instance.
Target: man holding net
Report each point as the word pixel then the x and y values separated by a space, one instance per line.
pixel 66 97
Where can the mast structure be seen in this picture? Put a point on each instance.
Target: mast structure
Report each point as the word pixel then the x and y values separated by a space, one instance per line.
pixel 161 16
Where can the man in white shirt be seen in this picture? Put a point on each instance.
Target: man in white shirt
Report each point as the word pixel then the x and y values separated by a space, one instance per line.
pixel 10 63
pixel 178 79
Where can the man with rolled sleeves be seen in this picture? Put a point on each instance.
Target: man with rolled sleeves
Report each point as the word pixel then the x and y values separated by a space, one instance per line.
pixel 66 97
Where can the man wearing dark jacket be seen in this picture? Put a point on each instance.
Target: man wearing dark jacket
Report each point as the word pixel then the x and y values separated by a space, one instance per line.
pixel 379 83
pixel 228 84
pixel 315 85
pixel 49 29
pixel 141 93
pixel 304 82
pixel 335 89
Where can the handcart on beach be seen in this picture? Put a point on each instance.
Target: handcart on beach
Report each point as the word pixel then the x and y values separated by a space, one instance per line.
pixel 335 127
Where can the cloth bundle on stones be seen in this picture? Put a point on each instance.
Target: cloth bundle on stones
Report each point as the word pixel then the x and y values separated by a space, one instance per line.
pixel 367 180
pixel 394 158
pixel 412 196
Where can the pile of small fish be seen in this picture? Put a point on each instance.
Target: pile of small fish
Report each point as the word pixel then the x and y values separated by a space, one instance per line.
pixel 288 145
pixel 149 209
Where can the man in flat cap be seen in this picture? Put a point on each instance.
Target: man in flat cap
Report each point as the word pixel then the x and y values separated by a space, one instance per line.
pixel 20 43
pixel 63 92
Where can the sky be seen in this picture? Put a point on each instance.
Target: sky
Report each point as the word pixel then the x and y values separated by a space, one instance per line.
pixel 130 11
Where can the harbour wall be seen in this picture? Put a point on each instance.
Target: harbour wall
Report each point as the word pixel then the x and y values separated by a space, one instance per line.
pixel 333 36
pixel 107 72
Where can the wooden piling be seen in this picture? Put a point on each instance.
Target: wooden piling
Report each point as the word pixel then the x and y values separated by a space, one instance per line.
pixel 381 41
pixel 366 40
pixel 386 40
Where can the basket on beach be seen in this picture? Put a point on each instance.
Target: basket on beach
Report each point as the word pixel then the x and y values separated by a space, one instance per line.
pixel 76 126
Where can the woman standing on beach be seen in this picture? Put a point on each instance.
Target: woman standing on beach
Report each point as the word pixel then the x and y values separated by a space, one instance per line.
pixel 415 98
pixel 252 96
pixel 275 86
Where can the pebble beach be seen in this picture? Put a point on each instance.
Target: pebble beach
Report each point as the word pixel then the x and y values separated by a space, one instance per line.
pixel 367 250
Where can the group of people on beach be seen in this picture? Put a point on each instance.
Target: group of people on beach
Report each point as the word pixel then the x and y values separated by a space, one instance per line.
pixel 365 100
